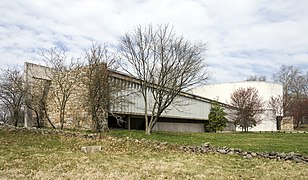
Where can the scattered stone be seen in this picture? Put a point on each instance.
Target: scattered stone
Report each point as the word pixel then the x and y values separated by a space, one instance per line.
pixel 253 154
pixel 222 151
pixel 91 149
pixel 248 156
pixel 205 148
pixel 207 144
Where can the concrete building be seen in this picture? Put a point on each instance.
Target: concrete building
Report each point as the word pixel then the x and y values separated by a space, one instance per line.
pixel 222 92
pixel 188 113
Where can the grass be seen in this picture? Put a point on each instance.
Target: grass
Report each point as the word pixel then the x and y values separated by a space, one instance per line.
pixel 27 155
pixel 256 142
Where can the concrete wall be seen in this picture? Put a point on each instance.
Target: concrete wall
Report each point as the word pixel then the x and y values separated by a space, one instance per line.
pixel 223 91
pixel 179 127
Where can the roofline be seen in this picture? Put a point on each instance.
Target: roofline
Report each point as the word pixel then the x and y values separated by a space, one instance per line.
pixel 127 77
pixel 238 82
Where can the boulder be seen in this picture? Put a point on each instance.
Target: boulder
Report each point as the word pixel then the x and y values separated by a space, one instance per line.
pixel 91 149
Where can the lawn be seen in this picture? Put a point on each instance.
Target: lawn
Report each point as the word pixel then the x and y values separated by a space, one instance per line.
pixel 256 142
pixel 27 155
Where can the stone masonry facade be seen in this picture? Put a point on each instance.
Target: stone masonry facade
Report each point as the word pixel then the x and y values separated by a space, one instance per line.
pixel 77 111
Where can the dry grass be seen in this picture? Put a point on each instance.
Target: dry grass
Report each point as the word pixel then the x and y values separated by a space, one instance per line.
pixel 32 156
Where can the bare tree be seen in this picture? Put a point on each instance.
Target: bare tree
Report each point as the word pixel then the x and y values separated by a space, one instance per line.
pixel 247 107
pixel 277 104
pixel 98 98
pixel 103 90
pixel 64 77
pixel 256 78
pixel 36 99
pixel 165 64
pixel 286 76
pixel 295 86
pixel 12 93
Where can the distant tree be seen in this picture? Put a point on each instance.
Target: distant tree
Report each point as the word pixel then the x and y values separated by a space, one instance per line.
pixel 256 78
pixel 4 113
pixel 247 106
pixel 276 103
pixel 217 119
pixel 165 64
pixel 12 93
pixel 64 77
pixel 295 91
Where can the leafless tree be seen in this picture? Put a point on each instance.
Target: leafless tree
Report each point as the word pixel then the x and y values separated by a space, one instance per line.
pixel 36 99
pixel 277 104
pixel 3 113
pixel 98 61
pixel 64 77
pixel 295 85
pixel 103 90
pixel 256 78
pixel 286 76
pixel 165 64
pixel 247 107
pixel 12 93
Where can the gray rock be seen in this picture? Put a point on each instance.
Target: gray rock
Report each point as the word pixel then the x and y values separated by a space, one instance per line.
pixel 282 155
pixel 253 154
pixel 244 153
pixel 231 152
pixel 207 144
pixel 248 156
pixel 222 151
pixel 91 149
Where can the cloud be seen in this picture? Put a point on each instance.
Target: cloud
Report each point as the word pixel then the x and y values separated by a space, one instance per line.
pixel 244 37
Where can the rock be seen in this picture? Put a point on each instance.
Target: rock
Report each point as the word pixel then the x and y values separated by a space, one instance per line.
pixel 253 154
pixel 248 156
pixel 238 150
pixel 222 151
pixel 282 155
pixel 265 155
pixel 244 153
pixel 231 152
pixel 298 160
pixel 91 149
pixel 207 144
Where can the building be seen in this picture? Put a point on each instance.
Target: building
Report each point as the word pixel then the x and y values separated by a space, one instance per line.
pixel 188 113
pixel 222 92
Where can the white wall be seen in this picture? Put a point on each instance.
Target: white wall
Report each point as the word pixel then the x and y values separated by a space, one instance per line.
pixel 223 91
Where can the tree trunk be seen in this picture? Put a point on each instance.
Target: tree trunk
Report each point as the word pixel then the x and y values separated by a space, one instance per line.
pixel 37 119
pixel 45 112
pixel 61 118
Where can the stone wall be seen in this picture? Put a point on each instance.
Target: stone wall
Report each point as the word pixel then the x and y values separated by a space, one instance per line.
pixel 287 124
pixel 77 110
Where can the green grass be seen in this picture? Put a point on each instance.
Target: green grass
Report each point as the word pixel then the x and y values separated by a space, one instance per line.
pixel 27 155
pixel 256 142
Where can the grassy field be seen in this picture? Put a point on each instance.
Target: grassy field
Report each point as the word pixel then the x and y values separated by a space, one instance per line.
pixel 33 156
pixel 256 142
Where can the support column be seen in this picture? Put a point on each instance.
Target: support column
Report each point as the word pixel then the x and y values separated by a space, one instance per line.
pixel 28 117
pixel 128 122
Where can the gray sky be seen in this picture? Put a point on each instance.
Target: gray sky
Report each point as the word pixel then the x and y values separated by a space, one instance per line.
pixel 244 37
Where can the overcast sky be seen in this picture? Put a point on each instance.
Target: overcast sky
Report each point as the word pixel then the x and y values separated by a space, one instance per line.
pixel 244 37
